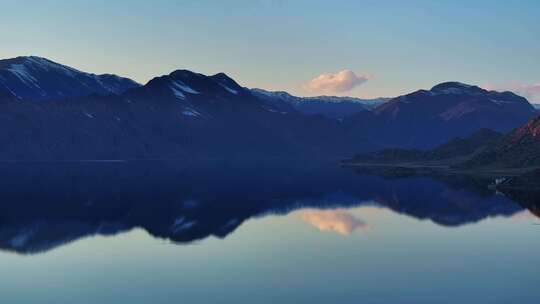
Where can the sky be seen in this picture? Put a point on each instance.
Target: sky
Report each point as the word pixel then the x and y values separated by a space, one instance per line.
pixel 306 47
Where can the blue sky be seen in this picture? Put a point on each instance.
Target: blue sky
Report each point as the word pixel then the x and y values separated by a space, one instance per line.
pixel 398 46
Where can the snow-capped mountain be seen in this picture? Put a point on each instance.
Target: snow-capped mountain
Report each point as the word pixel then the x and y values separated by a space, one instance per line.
pixel 186 114
pixel 179 115
pixel 335 107
pixel 37 78
pixel 427 118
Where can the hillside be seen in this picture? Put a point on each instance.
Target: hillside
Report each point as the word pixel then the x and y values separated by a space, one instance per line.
pixel 518 149
pixel 428 118
pixel 453 151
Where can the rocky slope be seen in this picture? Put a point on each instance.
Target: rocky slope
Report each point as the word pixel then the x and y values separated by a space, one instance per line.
pixel 518 149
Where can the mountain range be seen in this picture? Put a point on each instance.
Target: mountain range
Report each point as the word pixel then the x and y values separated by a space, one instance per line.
pixel 513 159
pixel 335 107
pixel 427 118
pixel 51 111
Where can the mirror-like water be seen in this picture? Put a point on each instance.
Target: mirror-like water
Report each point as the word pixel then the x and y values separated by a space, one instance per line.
pixel 260 232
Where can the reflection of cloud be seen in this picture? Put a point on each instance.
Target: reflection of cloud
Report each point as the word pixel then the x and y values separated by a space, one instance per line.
pixel 338 82
pixel 529 91
pixel 339 221
pixel 525 215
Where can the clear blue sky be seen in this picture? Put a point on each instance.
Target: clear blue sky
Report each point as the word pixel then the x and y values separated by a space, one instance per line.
pixel 399 45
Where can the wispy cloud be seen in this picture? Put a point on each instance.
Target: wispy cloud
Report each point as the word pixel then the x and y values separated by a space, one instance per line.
pixel 529 91
pixel 335 83
pixel 338 221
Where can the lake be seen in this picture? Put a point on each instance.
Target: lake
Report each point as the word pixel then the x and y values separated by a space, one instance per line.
pixel 259 232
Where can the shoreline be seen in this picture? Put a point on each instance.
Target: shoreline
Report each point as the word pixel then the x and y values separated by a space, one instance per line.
pixel 444 169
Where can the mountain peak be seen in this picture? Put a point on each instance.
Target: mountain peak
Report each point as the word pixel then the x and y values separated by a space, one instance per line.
pixel 38 78
pixel 185 84
pixel 183 73
pixel 454 87
pixel 22 64
pixel 221 76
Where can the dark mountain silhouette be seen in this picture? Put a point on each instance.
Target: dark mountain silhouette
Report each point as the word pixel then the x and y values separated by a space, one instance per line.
pixel 453 151
pixel 37 78
pixel 518 149
pixel 428 118
pixel 183 114
pixel 190 115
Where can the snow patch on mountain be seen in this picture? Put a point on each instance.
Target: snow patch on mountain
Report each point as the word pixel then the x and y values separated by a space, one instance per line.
pixel 235 92
pixel 180 85
pixel 21 72
pixel 38 78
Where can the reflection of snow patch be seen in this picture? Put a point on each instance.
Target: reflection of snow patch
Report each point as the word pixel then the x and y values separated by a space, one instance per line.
pixel 274 111
pixel 180 225
pixel 191 112
pixel 230 223
pixel 22 238
pixel 190 203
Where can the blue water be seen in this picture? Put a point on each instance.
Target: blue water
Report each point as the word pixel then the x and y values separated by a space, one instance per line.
pixel 161 232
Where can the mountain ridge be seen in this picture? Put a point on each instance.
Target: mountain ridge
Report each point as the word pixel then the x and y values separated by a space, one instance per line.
pixel 334 107
pixel 38 78
pixel 519 148
pixel 425 119
pixel 186 114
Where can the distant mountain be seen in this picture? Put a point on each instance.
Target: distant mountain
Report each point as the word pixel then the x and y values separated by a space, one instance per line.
pixel 334 107
pixel 427 118
pixel 453 151
pixel 519 149
pixel 37 78
pixel 190 115
pixel 180 115
pixel 536 106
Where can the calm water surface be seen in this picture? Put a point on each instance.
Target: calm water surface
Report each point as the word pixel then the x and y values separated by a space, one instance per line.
pixel 259 232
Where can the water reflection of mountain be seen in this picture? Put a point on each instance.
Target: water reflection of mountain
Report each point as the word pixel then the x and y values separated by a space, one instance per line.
pixel 48 205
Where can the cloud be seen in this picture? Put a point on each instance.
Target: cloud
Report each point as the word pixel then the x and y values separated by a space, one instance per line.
pixel 339 82
pixel 529 91
pixel 338 221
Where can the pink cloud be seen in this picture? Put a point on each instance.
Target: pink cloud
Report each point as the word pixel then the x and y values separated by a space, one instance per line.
pixel 339 82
